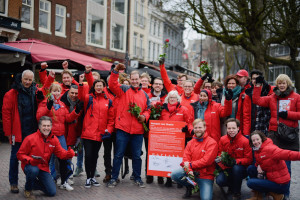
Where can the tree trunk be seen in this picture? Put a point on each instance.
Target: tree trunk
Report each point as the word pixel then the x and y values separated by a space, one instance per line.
pixel 296 72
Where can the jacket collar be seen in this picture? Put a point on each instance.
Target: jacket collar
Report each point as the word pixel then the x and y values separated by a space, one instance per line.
pixel 286 93
pixel 236 137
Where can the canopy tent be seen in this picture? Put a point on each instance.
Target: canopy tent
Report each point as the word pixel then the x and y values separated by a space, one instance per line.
pixel 42 52
pixel 10 54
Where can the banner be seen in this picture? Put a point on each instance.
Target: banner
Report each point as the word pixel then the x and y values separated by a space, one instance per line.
pixel 165 147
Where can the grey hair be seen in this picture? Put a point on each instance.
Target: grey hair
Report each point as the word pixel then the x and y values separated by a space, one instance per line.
pixel 74 86
pixel 27 71
pixel 173 92
pixel 45 118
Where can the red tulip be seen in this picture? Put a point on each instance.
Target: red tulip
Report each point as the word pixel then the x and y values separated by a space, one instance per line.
pixel 167 40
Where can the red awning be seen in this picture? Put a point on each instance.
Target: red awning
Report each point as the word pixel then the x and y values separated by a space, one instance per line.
pixel 42 52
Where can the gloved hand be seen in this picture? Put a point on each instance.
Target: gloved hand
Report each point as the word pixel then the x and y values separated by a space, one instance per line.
pixel 50 104
pixel 185 129
pixel 228 94
pixel 161 60
pixel 210 79
pixel 283 114
pixel 106 135
pixel 70 153
pixel 39 95
pixel 79 107
pixel 259 80
pixel 204 77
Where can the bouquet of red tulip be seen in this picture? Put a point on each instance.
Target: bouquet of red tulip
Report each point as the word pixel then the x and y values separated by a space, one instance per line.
pixel 190 178
pixel 204 67
pixel 156 110
pixel 135 110
pixel 224 161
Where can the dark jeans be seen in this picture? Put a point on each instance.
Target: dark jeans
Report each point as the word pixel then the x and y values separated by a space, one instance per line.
pixel 234 179
pixel 107 144
pixel 146 147
pixel 136 142
pixel 37 179
pixel 288 164
pixel 14 164
pixel 91 149
pixel 264 185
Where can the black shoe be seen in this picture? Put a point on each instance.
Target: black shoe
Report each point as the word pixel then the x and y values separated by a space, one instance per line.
pixel 14 189
pixel 179 185
pixel 169 182
pixel 149 179
pixel 160 180
pixel 188 193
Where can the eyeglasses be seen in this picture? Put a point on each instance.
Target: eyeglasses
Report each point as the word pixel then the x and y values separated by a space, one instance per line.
pixel 188 86
pixel 157 84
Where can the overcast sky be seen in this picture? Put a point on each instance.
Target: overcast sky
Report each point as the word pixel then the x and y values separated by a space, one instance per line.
pixel 190 34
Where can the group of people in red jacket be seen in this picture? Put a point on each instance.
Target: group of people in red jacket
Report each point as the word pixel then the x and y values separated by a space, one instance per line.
pixel 231 131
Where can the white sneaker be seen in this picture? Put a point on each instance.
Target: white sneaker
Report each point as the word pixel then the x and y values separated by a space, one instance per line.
pixel 66 186
pixel 70 182
pixel 58 182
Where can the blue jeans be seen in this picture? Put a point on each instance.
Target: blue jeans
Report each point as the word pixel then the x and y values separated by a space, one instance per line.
pixel 80 157
pixel 205 185
pixel 234 179
pixel 136 142
pixel 264 185
pixel 14 164
pixel 37 179
pixel 288 164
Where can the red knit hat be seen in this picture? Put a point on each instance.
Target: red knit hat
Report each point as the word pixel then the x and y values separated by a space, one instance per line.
pixel 242 73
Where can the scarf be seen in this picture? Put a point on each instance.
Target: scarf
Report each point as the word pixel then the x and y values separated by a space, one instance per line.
pixel 172 107
pixel 236 92
pixel 198 139
pixel 72 103
pixel 201 107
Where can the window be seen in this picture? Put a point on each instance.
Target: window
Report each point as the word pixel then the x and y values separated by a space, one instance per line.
pixel 95 30
pixel 158 31
pixel 154 28
pixel 27 13
pixel 135 44
pixel 3 7
pixel 150 27
pixel 141 47
pixel 118 5
pixel 45 16
pixel 154 52
pixel 101 2
pixel 142 15
pixel 118 37
pixel 135 11
pixel 149 51
pixel 60 20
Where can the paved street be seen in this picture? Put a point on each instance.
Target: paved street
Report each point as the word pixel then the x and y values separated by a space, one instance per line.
pixel 125 190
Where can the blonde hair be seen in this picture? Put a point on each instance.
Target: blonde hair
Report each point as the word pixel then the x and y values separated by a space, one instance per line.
pixel 96 74
pixel 54 87
pixel 283 77
pixel 189 81
pixel 196 121
pixel 146 75
pixel 66 71
pixel 173 92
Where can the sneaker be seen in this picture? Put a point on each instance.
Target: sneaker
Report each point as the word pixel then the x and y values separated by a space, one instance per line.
pixel 70 182
pixel 88 183
pixel 149 179
pixel 169 182
pixel 94 182
pixel 66 186
pixel 97 173
pixel 106 178
pixel 77 172
pixel 140 184
pixel 112 183
pixel 160 180
pixel 58 182
pixel 14 189
pixel 29 195
pixel 71 177
pixel 131 177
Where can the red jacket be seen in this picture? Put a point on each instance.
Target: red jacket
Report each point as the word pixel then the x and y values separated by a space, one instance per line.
pixel 248 116
pixel 272 161
pixel 98 117
pixel 167 82
pixel 212 115
pixel 187 102
pixel 240 111
pixel 59 117
pixel 271 102
pixel 147 90
pixel 36 144
pixel 180 114
pixel 201 155
pixel 237 147
pixel 124 120
pixel 197 87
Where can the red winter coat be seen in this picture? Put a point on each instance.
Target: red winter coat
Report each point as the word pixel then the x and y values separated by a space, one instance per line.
pixel 187 102
pixel 197 87
pixel 59 117
pixel 98 117
pixel 212 115
pixel 36 144
pixel 167 82
pixel 127 94
pixel 272 161
pixel 240 111
pixel 180 114
pixel 247 112
pixel 237 147
pixel 147 90
pixel 271 102
pixel 202 156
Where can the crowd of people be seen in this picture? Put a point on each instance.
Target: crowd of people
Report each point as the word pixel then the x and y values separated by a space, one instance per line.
pixel 244 130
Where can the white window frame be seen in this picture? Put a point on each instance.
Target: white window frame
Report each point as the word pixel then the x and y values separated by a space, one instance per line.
pixel 113 6
pixel 63 33
pixel 5 9
pixel 29 26
pixel 136 12
pixel 41 29
pixel 124 38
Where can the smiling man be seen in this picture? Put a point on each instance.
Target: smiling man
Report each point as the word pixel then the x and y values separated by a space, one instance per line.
pixel 35 153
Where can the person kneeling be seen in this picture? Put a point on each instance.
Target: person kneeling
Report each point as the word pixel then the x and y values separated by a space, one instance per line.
pixel 35 153
pixel 198 158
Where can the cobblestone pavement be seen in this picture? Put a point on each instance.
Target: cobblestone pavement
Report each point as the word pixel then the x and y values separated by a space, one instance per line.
pixel 125 190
